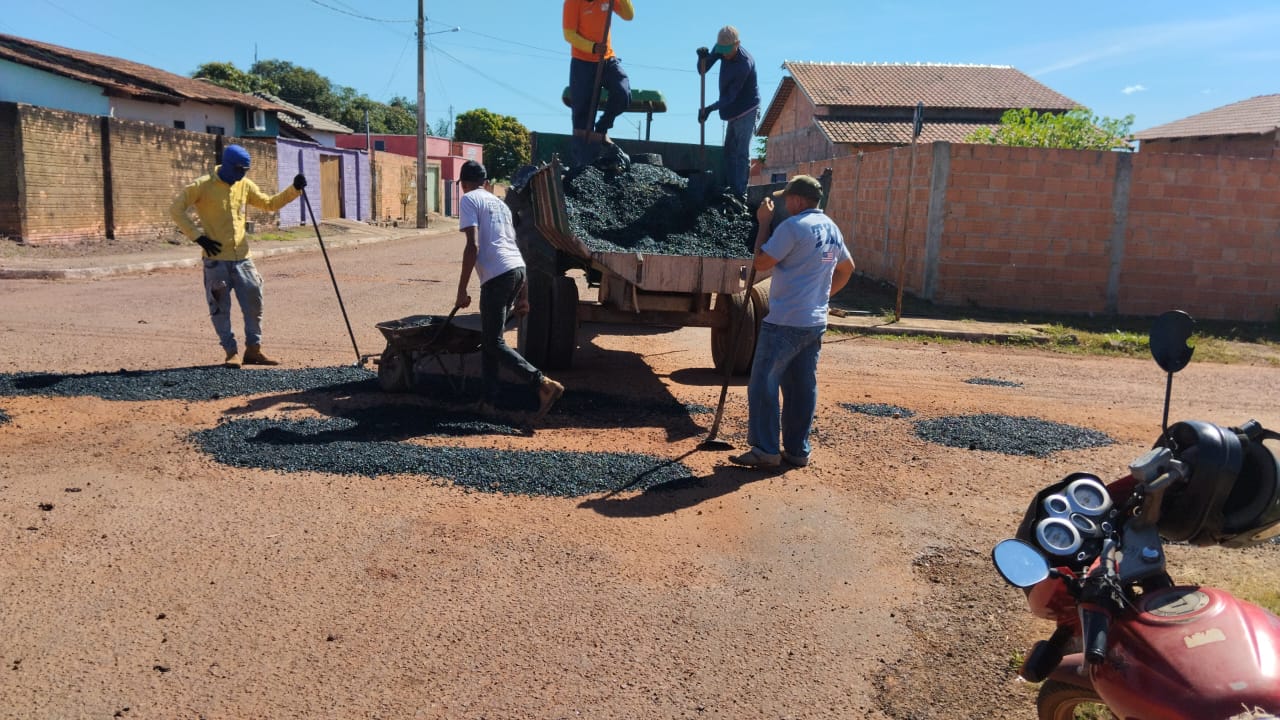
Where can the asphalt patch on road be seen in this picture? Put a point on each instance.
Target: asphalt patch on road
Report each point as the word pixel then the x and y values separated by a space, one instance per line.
pixel 878 410
pixel 4 417
pixel 194 383
pixel 650 209
pixel 1008 434
pixel 995 382
pixel 338 446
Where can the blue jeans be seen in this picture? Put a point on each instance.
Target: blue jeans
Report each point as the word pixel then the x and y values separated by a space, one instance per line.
pixel 582 75
pixel 786 360
pixel 496 298
pixel 737 152
pixel 221 279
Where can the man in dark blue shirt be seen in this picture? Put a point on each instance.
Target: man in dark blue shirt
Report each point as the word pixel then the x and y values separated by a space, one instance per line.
pixel 739 103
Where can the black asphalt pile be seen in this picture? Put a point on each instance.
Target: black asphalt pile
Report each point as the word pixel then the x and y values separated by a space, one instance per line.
pixel 4 417
pixel 996 382
pixel 1009 435
pixel 574 404
pixel 319 446
pixel 650 209
pixel 200 383
pixel 878 410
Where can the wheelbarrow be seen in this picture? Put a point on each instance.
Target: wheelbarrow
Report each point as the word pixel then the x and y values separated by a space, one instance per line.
pixel 419 338
pixel 428 338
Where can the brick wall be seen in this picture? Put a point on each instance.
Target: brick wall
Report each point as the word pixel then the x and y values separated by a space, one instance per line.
pixel 1256 146
pixel 150 164
pixel 1067 231
pixel 392 177
pixel 61 169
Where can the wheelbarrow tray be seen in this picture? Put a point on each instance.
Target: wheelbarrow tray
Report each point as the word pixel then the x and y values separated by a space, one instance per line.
pixel 430 334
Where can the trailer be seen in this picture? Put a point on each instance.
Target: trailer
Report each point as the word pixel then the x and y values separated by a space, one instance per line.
pixel 633 287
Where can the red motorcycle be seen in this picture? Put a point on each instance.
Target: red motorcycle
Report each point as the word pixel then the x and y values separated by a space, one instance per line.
pixel 1091 557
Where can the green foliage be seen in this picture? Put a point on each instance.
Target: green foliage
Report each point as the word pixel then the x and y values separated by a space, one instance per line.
pixel 506 141
pixel 762 148
pixel 227 75
pixel 1078 129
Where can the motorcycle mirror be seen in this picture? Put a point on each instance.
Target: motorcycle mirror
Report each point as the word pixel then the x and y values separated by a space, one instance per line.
pixel 1020 564
pixel 1169 335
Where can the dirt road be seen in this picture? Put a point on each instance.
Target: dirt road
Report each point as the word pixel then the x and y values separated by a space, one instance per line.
pixel 143 579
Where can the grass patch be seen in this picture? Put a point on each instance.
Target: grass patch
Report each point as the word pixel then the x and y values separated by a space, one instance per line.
pixel 1097 335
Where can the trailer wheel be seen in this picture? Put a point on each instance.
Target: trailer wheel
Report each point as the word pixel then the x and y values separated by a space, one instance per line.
pixel 721 337
pixel 760 303
pixel 532 338
pixel 562 337
pixel 395 371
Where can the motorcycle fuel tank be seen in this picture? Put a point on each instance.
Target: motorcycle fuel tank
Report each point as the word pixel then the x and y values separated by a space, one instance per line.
pixel 1191 652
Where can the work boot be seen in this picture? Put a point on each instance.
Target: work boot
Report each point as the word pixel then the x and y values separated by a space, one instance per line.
pixel 233 359
pixel 549 391
pixel 253 356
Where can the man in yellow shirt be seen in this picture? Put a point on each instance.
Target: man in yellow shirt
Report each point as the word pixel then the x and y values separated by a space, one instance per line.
pixel 220 200
pixel 584 29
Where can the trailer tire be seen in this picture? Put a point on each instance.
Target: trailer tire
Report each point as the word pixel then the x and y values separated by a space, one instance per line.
pixel 533 336
pixel 722 337
pixel 562 338
pixel 395 371
pixel 760 303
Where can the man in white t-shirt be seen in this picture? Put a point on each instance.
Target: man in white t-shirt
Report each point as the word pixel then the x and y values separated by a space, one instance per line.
pixel 810 264
pixel 492 252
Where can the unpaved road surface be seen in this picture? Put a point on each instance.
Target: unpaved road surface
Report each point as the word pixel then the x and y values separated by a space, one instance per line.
pixel 141 578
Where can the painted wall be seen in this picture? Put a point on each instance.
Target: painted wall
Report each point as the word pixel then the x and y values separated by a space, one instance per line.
pixel 295 157
pixel 22 84
pixel 196 116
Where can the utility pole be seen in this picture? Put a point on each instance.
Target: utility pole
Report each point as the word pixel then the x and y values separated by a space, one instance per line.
pixel 422 121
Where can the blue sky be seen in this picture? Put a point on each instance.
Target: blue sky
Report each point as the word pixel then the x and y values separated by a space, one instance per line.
pixel 1159 61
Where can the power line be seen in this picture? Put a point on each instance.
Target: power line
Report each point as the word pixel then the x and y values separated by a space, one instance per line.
pixel 560 53
pixel 517 91
pixel 356 15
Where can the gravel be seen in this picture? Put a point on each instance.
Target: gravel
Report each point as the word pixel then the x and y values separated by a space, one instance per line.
pixel 339 446
pixel 1009 435
pixel 650 209
pixel 996 382
pixel 878 410
pixel 201 383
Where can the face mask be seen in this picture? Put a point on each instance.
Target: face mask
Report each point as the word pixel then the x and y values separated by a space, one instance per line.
pixel 235 163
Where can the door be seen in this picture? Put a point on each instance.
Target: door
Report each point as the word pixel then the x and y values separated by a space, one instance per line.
pixel 432 174
pixel 331 187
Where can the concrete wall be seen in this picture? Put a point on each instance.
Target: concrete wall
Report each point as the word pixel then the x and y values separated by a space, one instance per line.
pixel 195 116
pixel 295 157
pixel 1064 230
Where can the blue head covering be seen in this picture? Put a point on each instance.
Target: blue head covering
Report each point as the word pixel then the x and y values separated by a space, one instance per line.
pixel 235 163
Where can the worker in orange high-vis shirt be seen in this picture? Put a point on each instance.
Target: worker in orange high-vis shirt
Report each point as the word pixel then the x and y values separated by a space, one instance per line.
pixel 584 29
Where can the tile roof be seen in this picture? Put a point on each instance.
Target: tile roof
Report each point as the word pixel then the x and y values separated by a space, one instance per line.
pixel 895 133
pixel 888 85
pixel 122 77
pixel 303 118
pixel 1255 116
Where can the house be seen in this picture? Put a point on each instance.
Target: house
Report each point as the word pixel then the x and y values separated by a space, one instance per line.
pixel 302 124
pixel 444 163
pixel 826 110
pixel 60 78
pixel 1249 128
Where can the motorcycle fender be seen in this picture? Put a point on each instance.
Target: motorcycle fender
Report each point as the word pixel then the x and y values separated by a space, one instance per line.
pixel 1072 671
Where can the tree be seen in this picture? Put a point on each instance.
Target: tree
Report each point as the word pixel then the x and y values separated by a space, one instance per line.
pixel 301 86
pixel 505 140
pixel 1078 129
pixel 227 75
pixel 762 148
pixel 443 128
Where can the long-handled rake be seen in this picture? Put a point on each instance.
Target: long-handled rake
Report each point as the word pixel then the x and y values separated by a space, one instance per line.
pixel 336 291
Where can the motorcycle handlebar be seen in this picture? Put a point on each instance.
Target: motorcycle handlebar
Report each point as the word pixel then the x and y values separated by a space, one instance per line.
pixel 1094 624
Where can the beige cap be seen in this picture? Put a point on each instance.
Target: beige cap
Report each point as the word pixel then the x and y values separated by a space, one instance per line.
pixel 806 186
pixel 728 35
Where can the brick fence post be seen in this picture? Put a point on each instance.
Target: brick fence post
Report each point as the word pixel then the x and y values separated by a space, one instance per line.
pixel 937 218
pixel 1119 226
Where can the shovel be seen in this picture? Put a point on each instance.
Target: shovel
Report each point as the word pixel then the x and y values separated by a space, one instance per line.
pixel 592 136
pixel 712 443
pixel 341 306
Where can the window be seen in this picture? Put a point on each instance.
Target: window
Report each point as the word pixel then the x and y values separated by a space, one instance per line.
pixel 214 130
pixel 259 120
pixel 380 145
pixel 180 124
pixel 778 177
